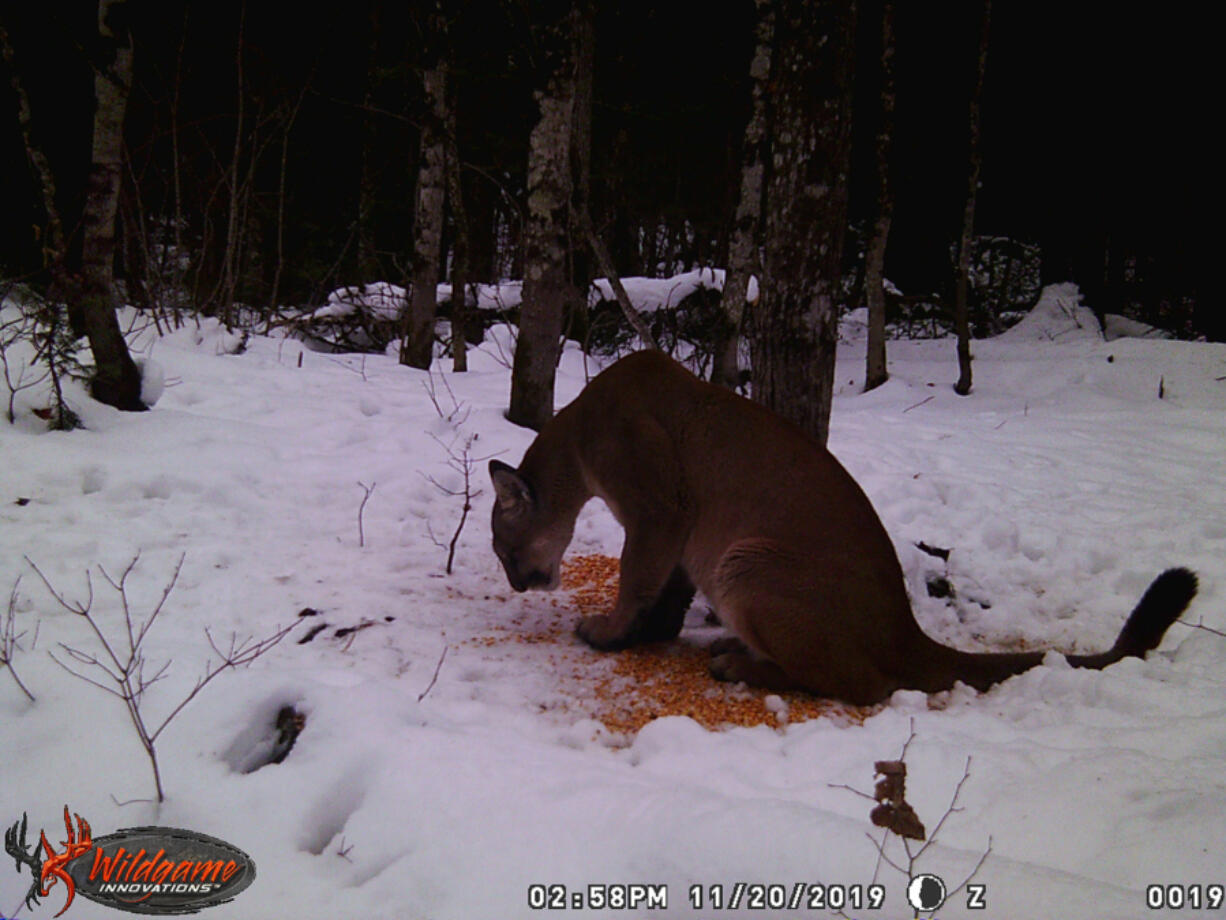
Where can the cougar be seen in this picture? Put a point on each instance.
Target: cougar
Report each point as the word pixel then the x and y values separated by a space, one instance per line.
pixel 718 493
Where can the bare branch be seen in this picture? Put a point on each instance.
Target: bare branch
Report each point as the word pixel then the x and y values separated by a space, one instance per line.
pixel 979 865
pixel 966 774
pixel 1201 625
pixel 438 667
pixel 459 411
pixel 902 755
pixel 126 677
pixel 240 655
pixel 88 680
pixel 368 489
pixel 463 463
pixel 863 795
pixel 881 853
pixel 79 609
pixel 10 638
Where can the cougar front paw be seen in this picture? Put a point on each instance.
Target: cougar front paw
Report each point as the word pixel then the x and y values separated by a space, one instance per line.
pixel 727 644
pixel 600 632
pixel 731 666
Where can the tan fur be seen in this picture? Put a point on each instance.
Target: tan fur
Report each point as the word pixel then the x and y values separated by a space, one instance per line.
pixel 717 492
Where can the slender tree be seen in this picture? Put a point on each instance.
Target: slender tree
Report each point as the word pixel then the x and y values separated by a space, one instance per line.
pixel 547 222
pixel 962 288
pixel 461 250
pixel 55 247
pixel 417 345
pixel 794 325
pixel 875 372
pixel 581 270
pixel 116 380
pixel 231 256
pixel 368 263
pixel 746 230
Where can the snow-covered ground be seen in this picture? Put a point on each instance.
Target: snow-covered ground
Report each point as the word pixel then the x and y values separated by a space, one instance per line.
pixel 1063 485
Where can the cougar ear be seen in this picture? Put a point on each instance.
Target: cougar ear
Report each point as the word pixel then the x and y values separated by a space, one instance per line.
pixel 512 490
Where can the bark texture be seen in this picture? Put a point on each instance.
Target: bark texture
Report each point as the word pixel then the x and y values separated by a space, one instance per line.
pixel 875 371
pixel 368 261
pixel 461 250
pixel 116 380
pixel 746 230
pixel 793 331
pixel 54 248
pixel 417 345
pixel 962 288
pixel 546 227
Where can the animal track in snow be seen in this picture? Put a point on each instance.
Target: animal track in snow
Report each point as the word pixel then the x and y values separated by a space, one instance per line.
pixel 326 819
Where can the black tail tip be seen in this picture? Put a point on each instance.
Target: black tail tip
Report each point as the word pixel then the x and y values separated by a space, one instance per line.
pixel 1160 606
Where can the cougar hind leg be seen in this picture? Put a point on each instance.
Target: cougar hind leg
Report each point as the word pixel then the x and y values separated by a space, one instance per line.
pixel 743 665
pixel 797 634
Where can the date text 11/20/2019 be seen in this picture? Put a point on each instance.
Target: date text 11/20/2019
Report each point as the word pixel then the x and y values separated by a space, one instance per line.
pixel 739 895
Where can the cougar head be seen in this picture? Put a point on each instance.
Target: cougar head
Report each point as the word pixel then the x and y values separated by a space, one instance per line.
pixel 529 539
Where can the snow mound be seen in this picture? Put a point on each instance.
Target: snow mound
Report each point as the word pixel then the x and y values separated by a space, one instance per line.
pixel 152 381
pixel 1121 327
pixel 380 299
pixel 1057 317
pixel 651 294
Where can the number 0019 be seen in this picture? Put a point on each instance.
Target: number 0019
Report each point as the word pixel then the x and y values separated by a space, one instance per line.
pixel 1185 897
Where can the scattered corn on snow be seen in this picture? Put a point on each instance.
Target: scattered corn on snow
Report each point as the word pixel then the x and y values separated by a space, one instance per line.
pixel 1062 486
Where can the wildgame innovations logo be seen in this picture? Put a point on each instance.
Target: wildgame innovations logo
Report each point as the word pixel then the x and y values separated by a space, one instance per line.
pixel 145 870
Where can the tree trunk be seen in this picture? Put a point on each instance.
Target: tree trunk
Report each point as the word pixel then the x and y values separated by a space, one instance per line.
pixel 54 248
pixel 546 225
pixel 228 283
pixel 605 260
pixel 581 269
pixel 368 263
pixel 875 372
pixel 417 346
pixel 116 380
pixel 743 246
pixel 794 325
pixel 962 289
pixel 461 260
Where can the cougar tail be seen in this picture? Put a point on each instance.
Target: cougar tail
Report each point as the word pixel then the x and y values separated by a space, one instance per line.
pixel 1165 599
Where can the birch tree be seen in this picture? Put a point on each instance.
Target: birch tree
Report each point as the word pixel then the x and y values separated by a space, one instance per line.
pixel 743 246
pixel 116 380
pixel 546 275
pixel 417 345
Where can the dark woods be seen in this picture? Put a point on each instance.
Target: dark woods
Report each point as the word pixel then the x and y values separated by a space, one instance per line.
pixel 270 156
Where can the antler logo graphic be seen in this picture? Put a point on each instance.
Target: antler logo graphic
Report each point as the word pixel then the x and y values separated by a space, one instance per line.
pixel 48 870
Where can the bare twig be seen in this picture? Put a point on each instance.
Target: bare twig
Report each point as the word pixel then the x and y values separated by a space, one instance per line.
pixel 462 462
pixel 892 789
pixel 1201 625
pixel 966 774
pixel 438 667
pixel 458 414
pixel 367 489
pixel 124 674
pixel 975 871
pixel 10 639
pixel 918 404
pixel 21 327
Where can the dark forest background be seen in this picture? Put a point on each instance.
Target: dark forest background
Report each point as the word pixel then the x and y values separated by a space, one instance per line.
pixel 253 130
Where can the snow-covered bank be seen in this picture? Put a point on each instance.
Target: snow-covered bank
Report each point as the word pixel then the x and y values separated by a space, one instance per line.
pixel 1062 486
